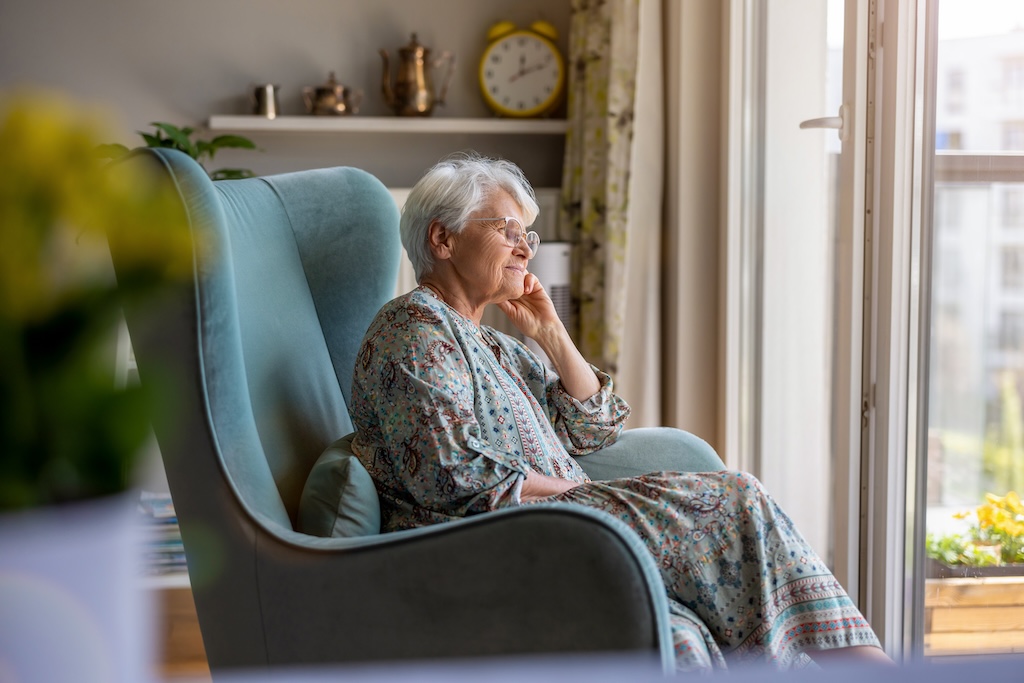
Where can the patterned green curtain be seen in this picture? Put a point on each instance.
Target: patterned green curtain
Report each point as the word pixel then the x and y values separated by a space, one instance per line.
pixel 595 181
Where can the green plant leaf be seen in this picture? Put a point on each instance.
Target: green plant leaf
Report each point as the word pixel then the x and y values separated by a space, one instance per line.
pixel 228 141
pixel 238 141
pixel 179 136
pixel 151 140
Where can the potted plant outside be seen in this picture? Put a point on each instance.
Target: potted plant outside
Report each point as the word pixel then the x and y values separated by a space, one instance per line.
pixel 993 544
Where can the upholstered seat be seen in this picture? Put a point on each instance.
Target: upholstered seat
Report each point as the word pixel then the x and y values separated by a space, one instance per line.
pixel 262 342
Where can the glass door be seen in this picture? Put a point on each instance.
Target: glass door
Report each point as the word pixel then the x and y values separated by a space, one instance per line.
pixel 973 450
pixel 794 250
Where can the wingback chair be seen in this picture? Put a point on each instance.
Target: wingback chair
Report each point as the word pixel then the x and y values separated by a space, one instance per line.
pixel 262 342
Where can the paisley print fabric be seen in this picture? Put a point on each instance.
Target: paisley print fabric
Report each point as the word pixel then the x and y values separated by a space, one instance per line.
pixel 451 416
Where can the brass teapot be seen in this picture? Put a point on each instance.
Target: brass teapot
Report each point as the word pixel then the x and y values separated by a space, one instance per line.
pixel 411 93
pixel 331 99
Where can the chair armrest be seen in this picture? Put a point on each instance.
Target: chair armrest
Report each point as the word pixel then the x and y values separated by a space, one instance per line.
pixel 545 578
pixel 651 449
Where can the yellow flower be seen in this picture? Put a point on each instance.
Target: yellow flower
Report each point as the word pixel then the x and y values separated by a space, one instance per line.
pixel 58 204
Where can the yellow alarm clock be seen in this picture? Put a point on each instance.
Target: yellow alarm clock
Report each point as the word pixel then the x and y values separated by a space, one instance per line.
pixel 522 73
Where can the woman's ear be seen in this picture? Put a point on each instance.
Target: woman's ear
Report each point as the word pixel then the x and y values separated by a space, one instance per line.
pixel 439 238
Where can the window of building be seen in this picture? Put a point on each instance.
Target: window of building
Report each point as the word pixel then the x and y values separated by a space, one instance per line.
pixel 1013 135
pixel 1013 267
pixel 1013 207
pixel 1011 330
pixel 955 93
pixel 1013 77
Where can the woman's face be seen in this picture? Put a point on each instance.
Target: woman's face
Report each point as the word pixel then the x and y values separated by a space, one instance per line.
pixel 488 269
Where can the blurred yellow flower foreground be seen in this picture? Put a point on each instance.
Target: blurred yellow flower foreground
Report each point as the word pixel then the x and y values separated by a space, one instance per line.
pixel 66 432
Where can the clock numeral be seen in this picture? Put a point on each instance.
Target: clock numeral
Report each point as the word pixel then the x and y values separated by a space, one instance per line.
pixel 536 100
pixel 496 59
pixel 506 99
pixel 494 89
pixel 521 42
pixel 521 105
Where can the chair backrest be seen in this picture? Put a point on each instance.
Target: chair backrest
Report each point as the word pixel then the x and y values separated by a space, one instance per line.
pixel 292 268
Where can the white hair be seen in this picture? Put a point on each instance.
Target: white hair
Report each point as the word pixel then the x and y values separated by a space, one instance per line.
pixel 453 189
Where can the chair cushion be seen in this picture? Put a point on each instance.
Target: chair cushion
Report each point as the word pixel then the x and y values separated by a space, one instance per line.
pixel 339 498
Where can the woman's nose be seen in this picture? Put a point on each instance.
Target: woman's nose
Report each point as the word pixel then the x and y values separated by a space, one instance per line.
pixel 524 246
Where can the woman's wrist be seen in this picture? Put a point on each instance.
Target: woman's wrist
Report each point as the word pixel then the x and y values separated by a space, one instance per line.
pixel 536 486
pixel 577 376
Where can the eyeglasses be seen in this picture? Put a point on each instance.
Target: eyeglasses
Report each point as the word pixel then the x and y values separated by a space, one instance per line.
pixel 514 232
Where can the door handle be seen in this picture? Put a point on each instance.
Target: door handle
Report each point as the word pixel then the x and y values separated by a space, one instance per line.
pixel 835 122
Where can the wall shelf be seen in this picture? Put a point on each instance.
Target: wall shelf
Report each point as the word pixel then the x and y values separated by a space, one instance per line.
pixel 388 124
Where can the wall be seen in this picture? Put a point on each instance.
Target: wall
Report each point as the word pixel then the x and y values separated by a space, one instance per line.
pixel 182 61
pixel 693 156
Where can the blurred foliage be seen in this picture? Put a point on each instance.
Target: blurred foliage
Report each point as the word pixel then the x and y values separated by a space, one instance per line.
pixel 66 431
pixel 995 537
pixel 1003 450
pixel 168 135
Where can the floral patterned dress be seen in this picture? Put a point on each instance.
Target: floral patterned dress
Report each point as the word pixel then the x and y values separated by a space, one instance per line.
pixel 450 418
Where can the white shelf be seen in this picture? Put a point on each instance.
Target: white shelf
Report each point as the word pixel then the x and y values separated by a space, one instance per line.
pixel 388 124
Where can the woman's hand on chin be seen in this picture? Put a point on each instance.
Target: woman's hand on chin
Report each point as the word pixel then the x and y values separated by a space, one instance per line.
pixel 532 312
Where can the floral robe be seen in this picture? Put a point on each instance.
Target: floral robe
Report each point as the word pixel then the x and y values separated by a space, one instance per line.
pixel 451 416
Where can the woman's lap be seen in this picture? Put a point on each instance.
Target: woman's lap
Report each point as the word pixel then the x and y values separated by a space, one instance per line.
pixel 727 552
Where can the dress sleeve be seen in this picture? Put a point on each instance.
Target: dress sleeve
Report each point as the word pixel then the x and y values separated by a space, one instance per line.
pixel 413 398
pixel 582 426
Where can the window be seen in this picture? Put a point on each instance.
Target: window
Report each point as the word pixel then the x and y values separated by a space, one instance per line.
pixel 1013 79
pixel 1013 207
pixel 1013 135
pixel 955 91
pixel 970 442
pixel 948 140
pixel 1011 331
pixel 1013 267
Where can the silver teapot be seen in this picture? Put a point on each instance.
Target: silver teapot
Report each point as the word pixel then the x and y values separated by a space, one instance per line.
pixel 331 99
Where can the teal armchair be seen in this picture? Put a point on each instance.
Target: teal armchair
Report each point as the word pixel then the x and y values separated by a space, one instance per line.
pixel 261 342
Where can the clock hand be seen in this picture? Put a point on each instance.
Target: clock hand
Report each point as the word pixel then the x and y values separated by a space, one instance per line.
pixel 527 70
pixel 522 69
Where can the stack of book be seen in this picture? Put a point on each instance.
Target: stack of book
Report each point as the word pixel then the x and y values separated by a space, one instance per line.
pixel 163 552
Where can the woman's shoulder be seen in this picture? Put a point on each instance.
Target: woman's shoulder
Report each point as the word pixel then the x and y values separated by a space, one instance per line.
pixel 415 306
pixel 408 321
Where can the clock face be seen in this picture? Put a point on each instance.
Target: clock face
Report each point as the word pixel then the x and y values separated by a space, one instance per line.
pixel 521 74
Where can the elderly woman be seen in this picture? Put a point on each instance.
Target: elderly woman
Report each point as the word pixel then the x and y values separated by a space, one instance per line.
pixel 455 418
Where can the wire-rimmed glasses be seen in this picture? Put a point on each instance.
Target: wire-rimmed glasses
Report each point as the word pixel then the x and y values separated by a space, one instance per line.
pixel 514 232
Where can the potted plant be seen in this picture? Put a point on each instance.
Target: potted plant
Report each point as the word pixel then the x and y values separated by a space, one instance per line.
pixel 974 593
pixel 68 435
pixel 168 135
pixel 993 544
